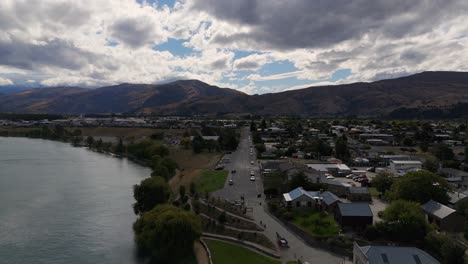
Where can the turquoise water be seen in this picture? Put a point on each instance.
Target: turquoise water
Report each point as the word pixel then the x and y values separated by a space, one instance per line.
pixel 60 204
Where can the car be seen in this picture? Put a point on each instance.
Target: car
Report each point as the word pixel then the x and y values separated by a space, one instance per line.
pixel 252 163
pixel 252 173
pixel 251 153
pixel 330 177
pixel 231 182
pixel 233 171
pixel 350 176
pixel 252 178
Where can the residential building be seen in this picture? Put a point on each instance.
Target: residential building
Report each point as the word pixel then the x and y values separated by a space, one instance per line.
pixel 329 168
pixel 401 167
pixel 446 218
pixel 359 194
pixel 456 198
pixel 302 199
pixel 354 215
pixel 456 178
pixel 390 255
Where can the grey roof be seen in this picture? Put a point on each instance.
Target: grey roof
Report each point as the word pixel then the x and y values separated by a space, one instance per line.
pixel 453 172
pixel 271 165
pixel 437 209
pixel 327 197
pixel 455 197
pixel 360 190
pixel 354 209
pixel 397 255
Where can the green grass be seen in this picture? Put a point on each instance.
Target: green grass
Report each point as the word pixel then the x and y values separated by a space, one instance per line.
pixel 373 191
pixel 209 180
pixel 316 223
pixel 226 253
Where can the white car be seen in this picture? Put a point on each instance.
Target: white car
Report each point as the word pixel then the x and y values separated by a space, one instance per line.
pixel 252 178
pixel 330 177
pixel 252 163
pixel 252 173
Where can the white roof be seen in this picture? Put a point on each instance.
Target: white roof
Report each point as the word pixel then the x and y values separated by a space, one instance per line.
pixel 407 162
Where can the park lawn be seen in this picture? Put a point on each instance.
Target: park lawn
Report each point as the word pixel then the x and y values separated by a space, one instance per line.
pixel 211 180
pixel 316 224
pixel 227 253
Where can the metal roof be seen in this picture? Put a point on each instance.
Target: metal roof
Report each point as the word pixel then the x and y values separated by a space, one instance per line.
pixel 361 190
pixel 355 209
pixel 397 255
pixel 437 209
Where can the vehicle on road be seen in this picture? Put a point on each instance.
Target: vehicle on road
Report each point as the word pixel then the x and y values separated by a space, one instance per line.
pixel 252 173
pixel 219 167
pixel 231 182
pixel 330 177
pixel 252 178
pixel 282 242
pixel 350 176
pixel 233 171
pixel 252 163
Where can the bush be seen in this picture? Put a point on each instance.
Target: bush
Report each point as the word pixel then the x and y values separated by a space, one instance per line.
pixel 371 233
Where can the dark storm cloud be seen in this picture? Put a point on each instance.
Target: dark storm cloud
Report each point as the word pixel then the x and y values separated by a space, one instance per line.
pixel 55 53
pixel 307 23
pixel 133 32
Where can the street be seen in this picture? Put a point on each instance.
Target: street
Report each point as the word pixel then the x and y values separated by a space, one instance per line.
pixel 243 186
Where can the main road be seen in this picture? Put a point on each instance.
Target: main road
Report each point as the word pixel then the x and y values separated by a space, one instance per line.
pixel 240 162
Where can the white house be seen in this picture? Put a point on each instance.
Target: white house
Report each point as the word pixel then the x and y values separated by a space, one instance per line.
pixel 401 167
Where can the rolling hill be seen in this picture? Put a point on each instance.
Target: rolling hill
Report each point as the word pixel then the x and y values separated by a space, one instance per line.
pixel 427 90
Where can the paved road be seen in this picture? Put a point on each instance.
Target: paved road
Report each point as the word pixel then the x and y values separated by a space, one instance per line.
pixel 240 161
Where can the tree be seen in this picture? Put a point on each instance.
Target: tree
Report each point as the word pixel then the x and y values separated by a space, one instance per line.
pixel 263 125
pixel 181 191
pixel 253 127
pixel 341 148
pixel 198 143
pixel 462 207
pixel 149 193
pixel 408 142
pixel 300 180
pixel 443 152
pixel 466 154
pixel 120 148
pixel 222 218
pixel 431 164
pixel 383 182
pixel 89 141
pixel 193 188
pixel 403 221
pixel 445 248
pixel 166 233
pixel 420 186
pixel 185 142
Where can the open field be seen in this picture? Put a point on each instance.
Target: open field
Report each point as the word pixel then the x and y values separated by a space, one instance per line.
pixel 126 132
pixel 227 253
pixel 190 165
pixel 211 180
pixel 316 224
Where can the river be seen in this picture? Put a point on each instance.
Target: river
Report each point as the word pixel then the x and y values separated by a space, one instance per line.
pixel 60 204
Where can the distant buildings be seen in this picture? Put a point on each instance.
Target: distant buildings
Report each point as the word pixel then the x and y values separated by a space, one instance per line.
pixel 354 215
pixel 446 218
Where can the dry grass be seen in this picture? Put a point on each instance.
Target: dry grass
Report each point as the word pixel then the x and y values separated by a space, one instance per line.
pixel 126 132
pixel 191 165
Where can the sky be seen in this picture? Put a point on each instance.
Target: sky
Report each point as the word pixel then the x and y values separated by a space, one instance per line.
pixel 254 46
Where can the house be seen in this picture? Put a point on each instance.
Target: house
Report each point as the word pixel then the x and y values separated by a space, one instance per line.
pixel 269 167
pixel 456 198
pixel 390 255
pixel 446 218
pixel 401 167
pixel 333 169
pixel 302 199
pixel 355 215
pixel 359 194
pixel 337 187
pixel 458 178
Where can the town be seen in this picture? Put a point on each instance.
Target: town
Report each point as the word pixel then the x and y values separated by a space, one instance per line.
pixel 307 190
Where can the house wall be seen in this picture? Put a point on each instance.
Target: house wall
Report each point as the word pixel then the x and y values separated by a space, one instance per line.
pixel 359 197
pixel 453 223
pixel 353 221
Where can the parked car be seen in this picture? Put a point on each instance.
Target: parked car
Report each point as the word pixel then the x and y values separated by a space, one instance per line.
pixel 252 163
pixel 231 182
pixel 252 173
pixel 233 171
pixel 350 176
pixel 252 178
pixel 330 177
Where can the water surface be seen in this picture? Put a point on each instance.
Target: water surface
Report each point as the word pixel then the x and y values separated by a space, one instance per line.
pixel 60 204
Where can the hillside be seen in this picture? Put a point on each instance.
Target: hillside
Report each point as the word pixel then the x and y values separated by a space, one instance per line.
pixel 427 90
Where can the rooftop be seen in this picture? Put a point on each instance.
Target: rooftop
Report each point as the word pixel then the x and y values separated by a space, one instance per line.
pixel 396 255
pixel 437 209
pixel 355 209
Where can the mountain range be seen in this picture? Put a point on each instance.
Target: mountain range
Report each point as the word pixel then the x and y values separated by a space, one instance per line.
pixel 422 91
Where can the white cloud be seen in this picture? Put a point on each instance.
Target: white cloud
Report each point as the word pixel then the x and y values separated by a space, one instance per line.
pixel 5 81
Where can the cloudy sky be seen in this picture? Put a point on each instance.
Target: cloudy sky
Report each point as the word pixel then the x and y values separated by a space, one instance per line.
pixel 256 46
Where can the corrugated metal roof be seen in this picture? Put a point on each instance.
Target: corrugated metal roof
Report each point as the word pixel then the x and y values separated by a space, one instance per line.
pixel 397 255
pixel 437 209
pixel 355 209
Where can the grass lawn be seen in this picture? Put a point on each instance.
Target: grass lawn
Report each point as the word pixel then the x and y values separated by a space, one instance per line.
pixel 316 223
pixel 226 253
pixel 373 191
pixel 211 180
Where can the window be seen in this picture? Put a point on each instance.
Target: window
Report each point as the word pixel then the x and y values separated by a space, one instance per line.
pixel 298 204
